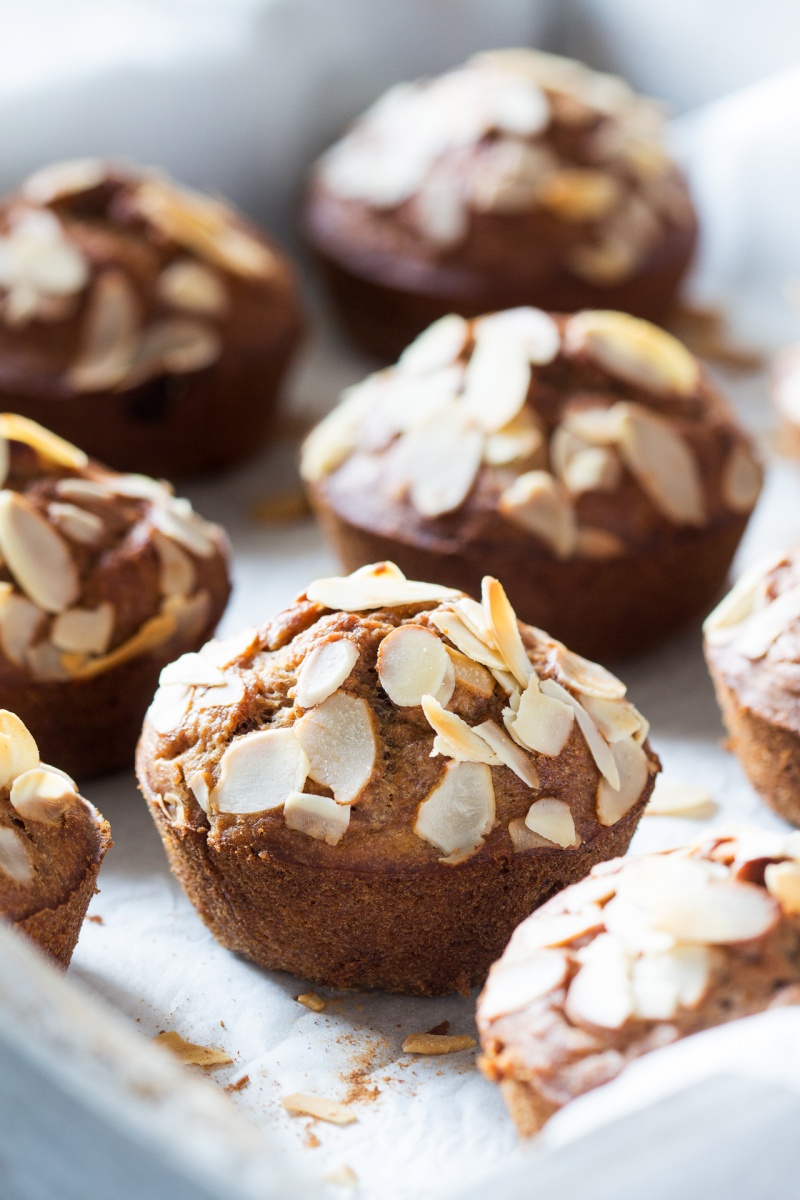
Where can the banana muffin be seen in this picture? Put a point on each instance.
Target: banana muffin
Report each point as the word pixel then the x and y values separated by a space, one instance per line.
pixel 145 322
pixel 520 178
pixel 643 952
pixel 752 646
pixel 52 843
pixel 373 789
pixel 587 461
pixel 104 579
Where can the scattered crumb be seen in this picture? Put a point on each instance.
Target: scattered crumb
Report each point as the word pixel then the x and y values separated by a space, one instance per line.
pixel 191 1054
pixel 222 1024
pixel 342 1176
pixel 311 1000
pixel 437 1043
pixel 290 506
pixel 319 1108
pixel 239 1084
pixel 442 1027
pixel 672 798
pixel 312 1141
pixel 95 918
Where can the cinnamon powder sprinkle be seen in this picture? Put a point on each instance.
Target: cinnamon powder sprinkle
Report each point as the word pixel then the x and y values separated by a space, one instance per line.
pixel 437 1043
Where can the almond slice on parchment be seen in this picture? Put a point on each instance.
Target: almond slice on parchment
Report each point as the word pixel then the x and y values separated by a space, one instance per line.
pixel 633 350
pixel 259 771
pixel 538 502
pixel 552 819
pixel 511 987
pixel 111 334
pixel 459 812
pixel 384 587
pixel 663 464
pixel 671 798
pixel 319 817
pixel 339 741
pixel 324 671
pixel 437 1043
pixel 37 556
pixel 190 1053
pixel 320 1109
pixel 311 999
pixel 412 663
pixel 444 456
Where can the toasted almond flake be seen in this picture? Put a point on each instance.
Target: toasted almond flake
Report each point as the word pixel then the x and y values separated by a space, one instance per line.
pixel 664 982
pixel 523 838
pixel 15 861
pixel 633 350
pixel 459 812
pixel 37 556
pixel 324 671
pixel 497 380
pixel 110 335
pixel 553 819
pixel 511 987
pixel 177 574
pixel 509 685
pixel 602 263
pixel 469 746
pixel 762 629
pixel 154 632
pixel 520 439
pixel 592 470
pixel 339 739
pixel 476 619
pixel 537 502
pixel 594 425
pixel 49 446
pixel 598 747
pixel 783 882
pixel 616 719
pixel 673 799
pixel 723 913
pixel 168 708
pixel 510 754
pixel 601 993
pixel 336 436
pixel 469 674
pixel 192 670
pixel 453 627
pixel 360 592
pixel 598 543
pixel 444 694
pixel 319 817
pixel 586 676
pixel 412 663
pixel 532 329
pixel 193 287
pixel 83 489
pixel 663 465
pixel 175 345
pixel 546 930
pixel 231 693
pixel 319 1108
pixel 259 772
pixel 40 794
pixel 578 194
pixel 63 179
pixel 633 769
pixel 142 487
pixel 734 608
pixel 177 520
pixel 438 346
pixel 439 211
pixel 84 630
pixel 190 1053
pixel 311 1000
pixel 18 750
pixel 542 723
pixel 444 456
pixel 437 1043
pixel 20 621
pixel 76 523
pixel 198 786
pixel 741 480
pixel 504 626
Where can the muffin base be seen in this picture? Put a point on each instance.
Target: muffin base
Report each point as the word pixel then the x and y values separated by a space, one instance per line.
pixel 601 608
pixel 175 425
pixel 425 932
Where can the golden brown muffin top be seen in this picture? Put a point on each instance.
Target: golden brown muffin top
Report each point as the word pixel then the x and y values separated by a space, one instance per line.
pixel 96 567
pixel 49 835
pixel 644 951
pixel 516 156
pixel 381 723
pixel 111 276
pixel 597 434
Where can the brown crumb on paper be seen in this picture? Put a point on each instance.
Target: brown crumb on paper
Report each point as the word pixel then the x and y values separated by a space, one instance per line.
pixel 239 1084
pixel 289 506
pixel 318 1107
pixel 437 1043
pixel 190 1053
pixel 312 1141
pixel 95 918
pixel 442 1027
pixel 311 1000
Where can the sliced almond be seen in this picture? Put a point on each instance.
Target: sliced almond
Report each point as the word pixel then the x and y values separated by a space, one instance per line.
pixel 734 608
pixel 18 750
pixel 20 621
pixel 198 786
pixel 512 987
pixel 177 574
pixel 384 588
pixel 586 676
pixel 37 557
pixel 439 211
pixel 663 983
pixel 110 335
pixel 437 1043
pixel 524 839
pixel 505 629
pixel 76 523
pixel 607 261
pixel 64 179
pixel 42 795
pixel 49 446
pixel 633 770
pixel 470 674
pixel 533 330
pixel 444 455
pixel 663 465
pixel 339 739
pixel 509 753
pixel 453 627
pixel 154 632
pixel 311 999
pixel 412 663
pixel 459 812
pixel 192 670
pixel 616 719
pixel 84 630
pixel 318 1108
pixel 723 913
pixel 577 194
pixel 168 708
pixel 546 930
pixel 783 882
pixel 190 1053
pixel 741 480
pixel 259 771
pixel 542 723
pixel 599 748
pixel 193 287
pixel 498 378
pixel 552 819
pixel 324 671
pixel 598 543
pixel 438 346
pixel 673 799
pixel 337 434
pixel 601 992
pixel 594 426
pixel 83 489
pixel 176 345
pixel 317 816
pixel 634 350
pixel 15 859
pixel 231 693
pixel 462 742
pixel 595 469
pixel 177 520
pixel 520 439
pixel 538 503
pixel 763 628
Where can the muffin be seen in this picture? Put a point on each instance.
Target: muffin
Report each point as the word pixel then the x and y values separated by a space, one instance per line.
pixel 520 178
pixel 786 399
pixel 391 777
pixel 145 322
pixel 52 843
pixel 587 461
pixel 104 579
pixel 642 953
pixel 752 646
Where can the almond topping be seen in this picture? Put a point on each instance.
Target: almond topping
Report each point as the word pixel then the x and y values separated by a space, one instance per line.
pixel 586 676
pixel 616 719
pixel 177 575
pixel 457 739
pixel 84 630
pixel 19 623
pixel 459 812
pixel 537 502
pixel 634 350
pixel 469 674
pixel 76 523
pixel 533 330
pixel 509 753
pixel 317 816
pixel 578 194
pixel 412 663
pixel 259 772
pixel 15 858
pixel 339 740
pixel 438 346
pixel 177 520
pixel 498 378
pixel 336 436
pixel 176 345
pixel 783 882
pixel 512 987
pixel 598 543
pixel 542 723
pixel 601 993
pixel 600 751
pixel 519 439
pixel 723 913
pixel 437 1043
pixel 553 819
pixel 741 480
pixel 49 446
pixel 663 465
pixel 503 621
pixel 37 557
pixel 193 287
pixel 454 628
pixel 311 1000
pixel 110 335
pixel 665 981
pixel 42 795
pixel 387 588
pixel 324 671
pixel 168 708
pixel 444 456
pixel 18 750
pixel 319 1108
pixel 61 179
pixel 192 670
